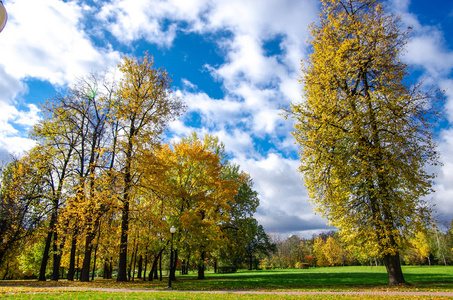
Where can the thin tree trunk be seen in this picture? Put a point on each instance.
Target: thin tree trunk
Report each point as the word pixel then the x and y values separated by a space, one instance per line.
pixel 56 257
pixel 160 268
pixel 122 265
pixel 140 267
pixel 45 256
pixel 146 263
pixel 71 270
pixel 134 259
pixel 95 252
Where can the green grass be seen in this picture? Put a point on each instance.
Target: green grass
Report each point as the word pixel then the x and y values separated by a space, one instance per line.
pixel 168 296
pixel 340 279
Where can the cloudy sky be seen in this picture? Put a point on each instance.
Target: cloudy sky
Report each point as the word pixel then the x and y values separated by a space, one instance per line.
pixel 234 62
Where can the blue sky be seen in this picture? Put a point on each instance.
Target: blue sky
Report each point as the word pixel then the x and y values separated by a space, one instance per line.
pixel 234 62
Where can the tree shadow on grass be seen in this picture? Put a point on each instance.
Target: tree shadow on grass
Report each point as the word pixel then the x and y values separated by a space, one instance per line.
pixel 308 280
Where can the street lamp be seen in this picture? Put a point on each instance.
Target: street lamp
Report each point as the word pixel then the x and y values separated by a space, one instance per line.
pixel 172 231
pixel 3 16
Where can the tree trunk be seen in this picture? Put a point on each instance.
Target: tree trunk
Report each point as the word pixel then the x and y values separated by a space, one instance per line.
pixel 145 265
pixel 122 265
pixel 71 270
pixel 153 271
pixel 45 256
pixel 56 258
pixel 95 254
pixel 139 267
pixel 160 268
pixel 393 266
pixel 106 269
pixel 134 258
pixel 201 267
pixel 85 274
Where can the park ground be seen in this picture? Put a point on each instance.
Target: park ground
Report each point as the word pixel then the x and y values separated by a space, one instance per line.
pixel 360 282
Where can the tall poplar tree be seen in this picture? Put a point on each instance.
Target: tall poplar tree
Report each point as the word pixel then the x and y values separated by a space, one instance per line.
pixel 365 134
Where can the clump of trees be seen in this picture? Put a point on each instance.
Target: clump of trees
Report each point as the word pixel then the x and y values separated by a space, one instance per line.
pixel 428 247
pixel 365 134
pixel 100 190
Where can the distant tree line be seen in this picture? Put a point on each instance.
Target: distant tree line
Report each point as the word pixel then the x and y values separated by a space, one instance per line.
pixel 427 247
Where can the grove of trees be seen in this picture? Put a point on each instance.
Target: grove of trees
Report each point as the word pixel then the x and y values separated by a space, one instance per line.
pixel 428 247
pixel 100 190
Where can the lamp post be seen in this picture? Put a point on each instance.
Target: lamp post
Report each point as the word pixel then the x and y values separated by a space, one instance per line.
pixel 3 16
pixel 172 231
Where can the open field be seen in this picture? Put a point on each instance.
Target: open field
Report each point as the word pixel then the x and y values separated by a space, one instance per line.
pixel 368 280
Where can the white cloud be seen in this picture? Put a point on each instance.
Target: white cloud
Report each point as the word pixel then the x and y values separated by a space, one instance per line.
pixel 428 52
pixel 43 40
pixel 11 140
pixel 10 87
pixel 284 206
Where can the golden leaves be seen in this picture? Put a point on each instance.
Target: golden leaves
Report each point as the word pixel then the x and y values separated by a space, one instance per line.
pixel 364 135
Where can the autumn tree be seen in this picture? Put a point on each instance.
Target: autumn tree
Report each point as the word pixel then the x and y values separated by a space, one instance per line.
pixel 90 104
pixel 365 135
pixel 200 198
pixel 22 207
pixel 143 109
pixel 56 139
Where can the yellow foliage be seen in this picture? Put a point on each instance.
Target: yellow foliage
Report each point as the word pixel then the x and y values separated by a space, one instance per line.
pixel 365 137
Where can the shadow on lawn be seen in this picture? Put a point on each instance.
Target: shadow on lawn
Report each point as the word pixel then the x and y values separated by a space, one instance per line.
pixel 307 280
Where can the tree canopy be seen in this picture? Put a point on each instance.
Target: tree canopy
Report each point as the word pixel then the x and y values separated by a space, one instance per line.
pixel 365 134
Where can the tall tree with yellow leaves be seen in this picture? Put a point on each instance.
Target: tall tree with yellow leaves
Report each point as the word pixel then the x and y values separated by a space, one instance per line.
pixel 143 108
pixel 365 136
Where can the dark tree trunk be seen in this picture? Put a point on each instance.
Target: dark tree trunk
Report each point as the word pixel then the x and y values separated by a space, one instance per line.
pixel 56 258
pixel 183 267
pixel 160 267
pixel 45 256
pixel 71 270
pixel 145 265
pixel 85 274
pixel 122 265
pixel 106 269
pixel 201 267
pixel 393 266
pixel 153 271
pixel 95 254
pixel 139 267
pixel 78 269
pixel 134 258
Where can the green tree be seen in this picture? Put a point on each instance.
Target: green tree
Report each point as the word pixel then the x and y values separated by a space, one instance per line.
pixel 365 136
pixel 259 244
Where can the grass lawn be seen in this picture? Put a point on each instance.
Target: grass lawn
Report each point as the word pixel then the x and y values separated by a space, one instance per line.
pixel 341 279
